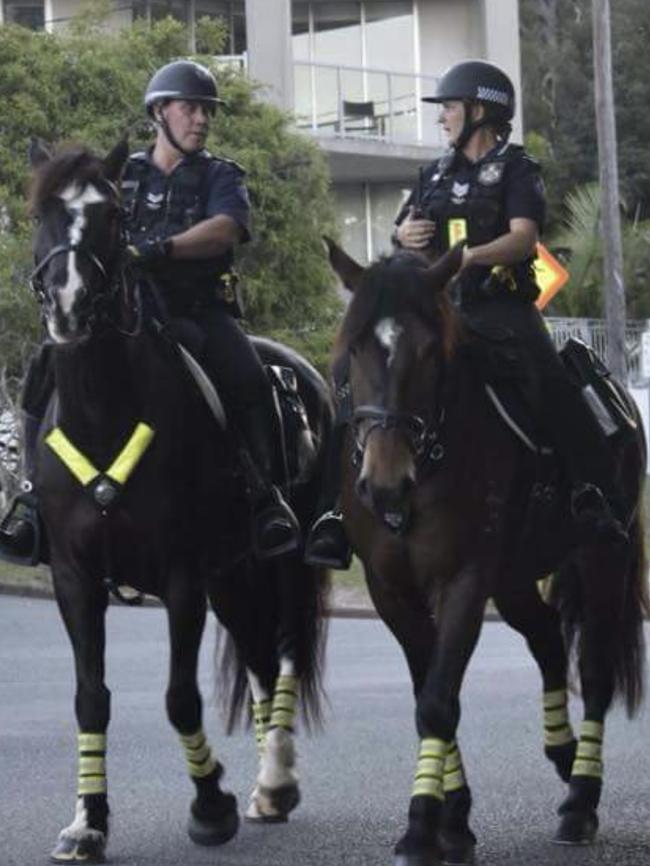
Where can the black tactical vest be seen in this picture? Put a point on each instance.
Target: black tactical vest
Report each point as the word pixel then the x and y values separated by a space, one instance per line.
pixel 469 205
pixel 180 205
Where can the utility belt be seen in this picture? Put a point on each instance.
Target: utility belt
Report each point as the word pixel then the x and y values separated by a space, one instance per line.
pixel 481 283
pixel 187 299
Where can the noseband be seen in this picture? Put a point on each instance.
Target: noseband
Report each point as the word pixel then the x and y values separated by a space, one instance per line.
pixel 422 438
pixel 36 276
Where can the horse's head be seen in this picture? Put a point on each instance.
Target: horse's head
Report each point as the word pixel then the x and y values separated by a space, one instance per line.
pixel 78 236
pixel 399 332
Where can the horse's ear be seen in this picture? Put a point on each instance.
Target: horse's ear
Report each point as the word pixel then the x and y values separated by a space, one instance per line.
pixel 446 267
pixel 349 271
pixel 114 161
pixel 37 152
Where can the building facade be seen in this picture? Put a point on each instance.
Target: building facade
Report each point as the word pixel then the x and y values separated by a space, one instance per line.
pixel 352 72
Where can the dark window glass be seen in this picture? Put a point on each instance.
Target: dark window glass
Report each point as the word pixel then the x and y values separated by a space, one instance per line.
pixel 300 17
pixel 27 13
pixel 176 8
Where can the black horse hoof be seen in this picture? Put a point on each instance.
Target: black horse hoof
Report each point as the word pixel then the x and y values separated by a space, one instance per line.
pixel 215 824
pixel 283 799
pixel 577 828
pixel 425 857
pixel 457 849
pixel 68 850
pixel 278 801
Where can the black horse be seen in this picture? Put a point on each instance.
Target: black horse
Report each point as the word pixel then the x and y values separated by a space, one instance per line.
pixel 447 507
pixel 138 485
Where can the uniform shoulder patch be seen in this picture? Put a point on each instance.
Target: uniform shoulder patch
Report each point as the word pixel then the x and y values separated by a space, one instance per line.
pixel 491 173
pixel 230 162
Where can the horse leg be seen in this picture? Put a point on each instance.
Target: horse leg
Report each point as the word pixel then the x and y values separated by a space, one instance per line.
pixel 276 790
pixel 410 621
pixel 438 714
pixel 83 609
pixel 522 608
pixel 602 613
pixel 213 814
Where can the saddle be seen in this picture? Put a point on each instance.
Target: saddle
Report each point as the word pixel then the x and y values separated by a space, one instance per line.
pixel 297 445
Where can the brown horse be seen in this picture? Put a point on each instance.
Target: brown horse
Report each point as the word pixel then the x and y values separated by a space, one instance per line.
pixel 446 508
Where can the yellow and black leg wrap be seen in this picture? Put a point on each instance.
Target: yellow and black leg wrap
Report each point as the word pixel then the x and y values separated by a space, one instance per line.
pixel 589 756
pixel 285 700
pixel 429 775
pixel 262 717
pixel 92 764
pixel 454 773
pixel 200 762
pixel 559 739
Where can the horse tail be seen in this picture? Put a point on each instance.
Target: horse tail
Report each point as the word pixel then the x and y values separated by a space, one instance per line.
pixel 251 638
pixel 629 596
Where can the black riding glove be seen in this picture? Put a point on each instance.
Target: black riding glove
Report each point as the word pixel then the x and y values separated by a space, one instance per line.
pixel 149 252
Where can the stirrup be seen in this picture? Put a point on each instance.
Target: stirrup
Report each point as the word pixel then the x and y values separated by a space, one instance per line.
pixel 275 519
pixel 327 544
pixel 20 532
pixel 594 516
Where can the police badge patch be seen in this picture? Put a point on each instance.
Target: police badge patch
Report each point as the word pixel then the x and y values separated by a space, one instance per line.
pixel 491 173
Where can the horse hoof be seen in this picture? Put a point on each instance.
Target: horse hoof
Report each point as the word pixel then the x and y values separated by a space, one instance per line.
pixel 577 828
pixel 215 824
pixel 91 850
pixel 426 857
pixel 457 849
pixel 272 805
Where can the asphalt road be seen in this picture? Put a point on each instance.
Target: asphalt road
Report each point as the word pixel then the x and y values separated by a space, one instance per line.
pixel 356 777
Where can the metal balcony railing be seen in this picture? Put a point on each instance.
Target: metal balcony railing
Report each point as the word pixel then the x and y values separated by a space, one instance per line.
pixel 365 103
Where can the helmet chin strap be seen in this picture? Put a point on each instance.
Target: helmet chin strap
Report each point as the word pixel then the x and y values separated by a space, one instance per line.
pixel 169 135
pixel 470 126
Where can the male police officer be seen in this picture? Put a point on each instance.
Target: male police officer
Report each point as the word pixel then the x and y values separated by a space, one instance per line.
pixel 186 212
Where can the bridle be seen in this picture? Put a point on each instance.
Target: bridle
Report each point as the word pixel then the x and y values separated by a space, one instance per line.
pixel 102 298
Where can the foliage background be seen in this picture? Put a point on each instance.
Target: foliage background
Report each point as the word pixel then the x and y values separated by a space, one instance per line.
pixel 559 119
pixel 86 85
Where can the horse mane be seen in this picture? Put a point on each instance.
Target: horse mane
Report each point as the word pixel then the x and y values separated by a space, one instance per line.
pixel 393 285
pixel 75 164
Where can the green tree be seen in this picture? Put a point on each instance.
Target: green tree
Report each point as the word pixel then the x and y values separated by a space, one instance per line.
pixel 86 85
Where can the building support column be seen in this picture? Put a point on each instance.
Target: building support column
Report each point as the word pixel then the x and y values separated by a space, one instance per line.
pixel 500 19
pixel 268 41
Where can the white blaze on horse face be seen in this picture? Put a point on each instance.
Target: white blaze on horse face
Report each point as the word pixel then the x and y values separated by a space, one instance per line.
pixel 388 332
pixel 76 199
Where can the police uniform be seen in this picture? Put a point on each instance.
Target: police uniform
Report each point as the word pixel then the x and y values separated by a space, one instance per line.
pixel 159 206
pixel 475 202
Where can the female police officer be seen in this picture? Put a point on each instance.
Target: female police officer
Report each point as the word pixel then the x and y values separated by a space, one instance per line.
pixel 489 194
pixel 186 212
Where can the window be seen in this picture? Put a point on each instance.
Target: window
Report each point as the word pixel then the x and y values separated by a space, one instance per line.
pixel 27 13
pixel 232 11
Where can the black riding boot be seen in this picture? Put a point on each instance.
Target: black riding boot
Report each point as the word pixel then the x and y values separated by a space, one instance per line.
pixel 597 506
pixel 327 543
pixel 276 528
pixel 19 532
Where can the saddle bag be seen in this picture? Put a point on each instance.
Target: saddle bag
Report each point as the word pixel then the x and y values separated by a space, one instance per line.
pixel 604 396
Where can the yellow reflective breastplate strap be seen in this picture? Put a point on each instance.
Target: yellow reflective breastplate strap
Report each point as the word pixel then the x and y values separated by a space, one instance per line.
pixel 120 469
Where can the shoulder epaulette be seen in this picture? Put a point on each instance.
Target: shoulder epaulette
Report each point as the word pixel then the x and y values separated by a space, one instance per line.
pixel 230 162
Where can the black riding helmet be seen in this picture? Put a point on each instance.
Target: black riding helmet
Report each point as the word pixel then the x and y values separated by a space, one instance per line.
pixel 182 79
pixel 477 81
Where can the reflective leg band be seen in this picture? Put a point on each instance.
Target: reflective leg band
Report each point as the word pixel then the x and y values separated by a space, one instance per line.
pixel 589 757
pixel 454 774
pixel 430 769
pixel 557 727
pixel 262 717
pixel 92 764
pixel 200 762
pixel 285 699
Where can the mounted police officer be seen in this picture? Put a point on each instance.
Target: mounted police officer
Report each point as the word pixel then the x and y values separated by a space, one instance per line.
pixel 489 194
pixel 186 211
